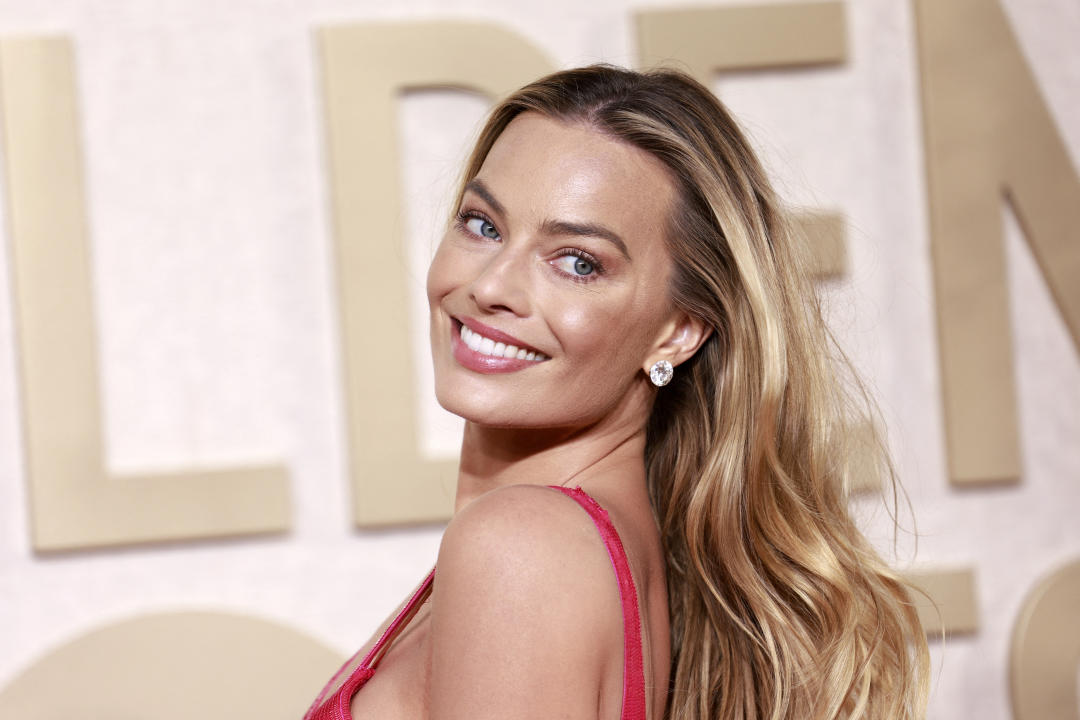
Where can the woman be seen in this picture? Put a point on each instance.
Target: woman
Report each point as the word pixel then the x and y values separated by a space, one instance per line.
pixel 619 310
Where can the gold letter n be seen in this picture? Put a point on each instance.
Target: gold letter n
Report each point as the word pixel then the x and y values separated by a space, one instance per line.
pixel 989 133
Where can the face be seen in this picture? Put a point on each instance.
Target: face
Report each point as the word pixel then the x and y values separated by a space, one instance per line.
pixel 549 293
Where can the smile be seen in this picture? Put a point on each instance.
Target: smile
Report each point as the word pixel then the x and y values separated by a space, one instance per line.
pixel 486 346
pixel 488 350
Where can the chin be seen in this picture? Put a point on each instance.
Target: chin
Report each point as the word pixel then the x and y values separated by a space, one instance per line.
pixel 486 412
pixel 497 410
pixel 480 399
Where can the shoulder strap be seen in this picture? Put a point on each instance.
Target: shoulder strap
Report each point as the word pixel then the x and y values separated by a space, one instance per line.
pixel 333 704
pixel 633 704
pixel 371 660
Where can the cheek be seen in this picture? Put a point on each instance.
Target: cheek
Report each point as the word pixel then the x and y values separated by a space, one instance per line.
pixel 441 274
pixel 614 337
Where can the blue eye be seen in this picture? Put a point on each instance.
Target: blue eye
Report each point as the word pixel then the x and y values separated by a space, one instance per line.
pixel 583 267
pixel 575 265
pixel 482 227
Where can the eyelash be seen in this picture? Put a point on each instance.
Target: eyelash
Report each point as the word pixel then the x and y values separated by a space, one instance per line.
pixel 598 267
pixel 464 216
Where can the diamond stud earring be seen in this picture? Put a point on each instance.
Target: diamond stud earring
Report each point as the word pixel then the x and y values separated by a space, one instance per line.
pixel 660 373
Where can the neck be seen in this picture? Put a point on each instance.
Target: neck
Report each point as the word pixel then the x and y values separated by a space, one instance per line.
pixel 496 457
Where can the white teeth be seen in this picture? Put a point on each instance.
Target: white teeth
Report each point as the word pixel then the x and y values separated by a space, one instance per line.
pixel 471 339
pixel 486 346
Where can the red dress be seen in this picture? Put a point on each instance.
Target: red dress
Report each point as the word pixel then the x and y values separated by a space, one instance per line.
pixel 335 705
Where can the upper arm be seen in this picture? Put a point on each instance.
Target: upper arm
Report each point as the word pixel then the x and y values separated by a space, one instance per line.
pixel 525 617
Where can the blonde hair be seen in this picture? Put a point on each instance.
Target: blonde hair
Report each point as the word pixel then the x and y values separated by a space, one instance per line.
pixel 779 606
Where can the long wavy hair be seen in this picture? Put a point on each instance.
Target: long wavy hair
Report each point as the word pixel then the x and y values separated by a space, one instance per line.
pixel 779 606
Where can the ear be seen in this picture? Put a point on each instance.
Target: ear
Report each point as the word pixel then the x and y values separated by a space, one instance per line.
pixel 679 339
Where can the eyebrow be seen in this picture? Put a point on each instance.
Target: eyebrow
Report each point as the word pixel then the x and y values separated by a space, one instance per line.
pixel 477 187
pixel 564 227
pixel 553 227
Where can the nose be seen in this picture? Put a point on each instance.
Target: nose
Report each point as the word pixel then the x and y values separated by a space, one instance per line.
pixel 503 282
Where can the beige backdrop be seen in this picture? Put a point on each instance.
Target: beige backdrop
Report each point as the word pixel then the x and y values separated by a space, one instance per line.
pixel 206 312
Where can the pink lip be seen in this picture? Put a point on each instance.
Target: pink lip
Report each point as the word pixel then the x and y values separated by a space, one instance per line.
pixel 487 364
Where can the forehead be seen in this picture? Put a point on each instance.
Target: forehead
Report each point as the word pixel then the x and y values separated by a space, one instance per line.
pixel 541 168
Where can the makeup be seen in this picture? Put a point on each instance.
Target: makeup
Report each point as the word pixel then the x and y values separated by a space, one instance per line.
pixel 484 349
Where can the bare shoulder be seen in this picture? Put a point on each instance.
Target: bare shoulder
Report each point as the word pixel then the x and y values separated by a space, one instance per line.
pixel 522 603
pixel 523 523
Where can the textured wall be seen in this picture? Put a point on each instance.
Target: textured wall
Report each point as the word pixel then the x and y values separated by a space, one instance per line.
pixel 217 320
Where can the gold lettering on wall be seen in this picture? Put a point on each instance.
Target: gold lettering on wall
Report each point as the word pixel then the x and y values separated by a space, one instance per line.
pixel 948 606
pixel 176 666
pixel 1046 649
pixel 825 235
pixel 988 134
pixel 365 67
pixel 744 37
pixel 75 503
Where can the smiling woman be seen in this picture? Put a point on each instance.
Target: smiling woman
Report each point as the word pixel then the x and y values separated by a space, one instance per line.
pixel 621 316
pixel 558 248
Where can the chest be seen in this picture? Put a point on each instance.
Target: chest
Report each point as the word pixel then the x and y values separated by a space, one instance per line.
pixel 399 690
